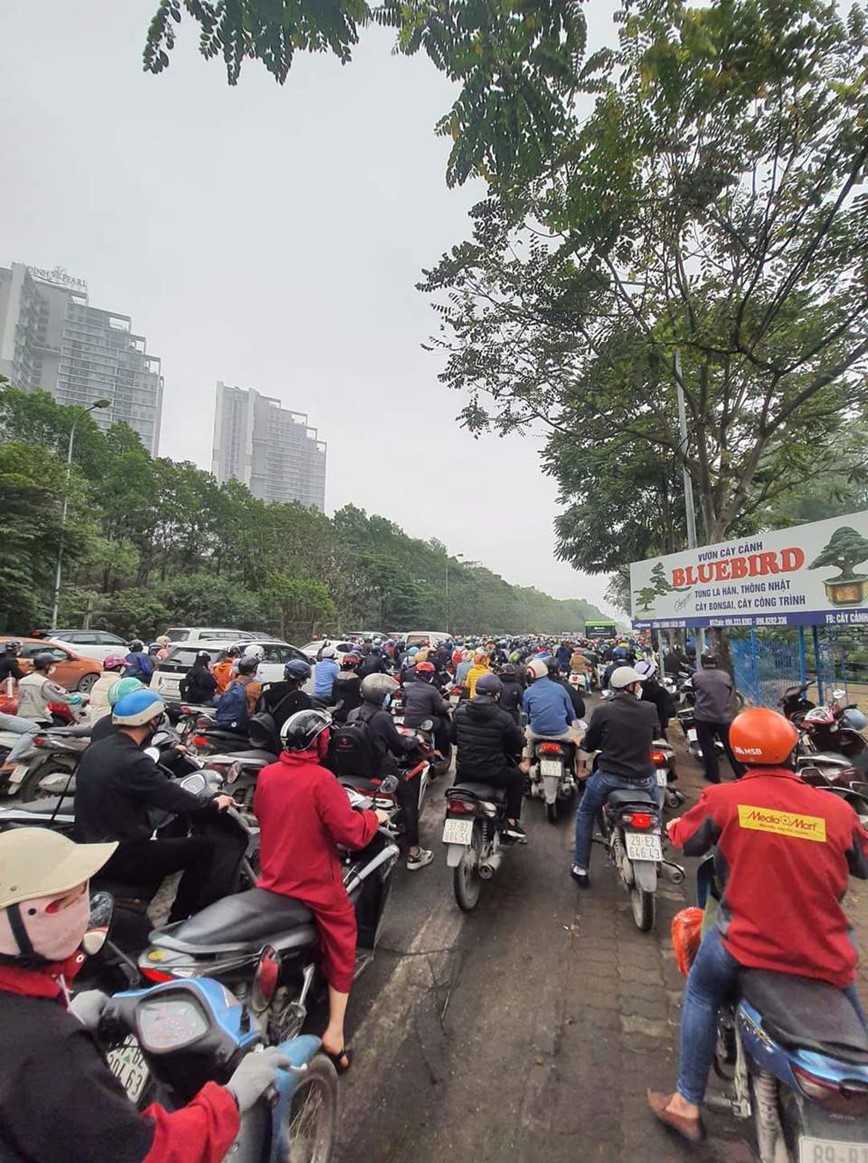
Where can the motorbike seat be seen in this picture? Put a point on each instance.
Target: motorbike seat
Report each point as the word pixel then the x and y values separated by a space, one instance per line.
pixel 63 805
pixel 623 797
pixel 359 783
pixel 479 791
pixel 829 759
pixel 244 920
pixel 253 754
pixel 219 733
pixel 801 1013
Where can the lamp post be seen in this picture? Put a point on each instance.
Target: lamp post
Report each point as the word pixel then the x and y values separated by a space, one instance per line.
pixel 57 575
pixel 458 557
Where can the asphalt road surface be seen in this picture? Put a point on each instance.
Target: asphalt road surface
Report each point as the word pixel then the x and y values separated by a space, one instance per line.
pixel 527 1030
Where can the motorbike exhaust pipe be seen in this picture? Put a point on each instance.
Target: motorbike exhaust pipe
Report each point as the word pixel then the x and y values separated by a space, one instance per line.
pixel 488 867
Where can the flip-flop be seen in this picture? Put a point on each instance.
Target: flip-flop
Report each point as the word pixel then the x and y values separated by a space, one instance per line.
pixel 337 1059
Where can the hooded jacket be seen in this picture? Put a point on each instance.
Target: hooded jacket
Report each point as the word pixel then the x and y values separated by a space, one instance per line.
pixel 423 701
pixel 487 737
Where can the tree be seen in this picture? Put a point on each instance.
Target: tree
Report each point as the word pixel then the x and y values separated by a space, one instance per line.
pixel 846 549
pixel 705 227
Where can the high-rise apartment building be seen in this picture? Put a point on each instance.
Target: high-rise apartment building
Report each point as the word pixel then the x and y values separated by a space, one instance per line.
pixel 51 338
pixel 273 451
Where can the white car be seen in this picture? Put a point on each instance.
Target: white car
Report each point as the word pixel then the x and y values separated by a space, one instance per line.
pixel 96 644
pixel 341 648
pixel 207 637
pixel 169 671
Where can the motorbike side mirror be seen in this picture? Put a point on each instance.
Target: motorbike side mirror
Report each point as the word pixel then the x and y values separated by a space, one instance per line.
pixel 838 693
pixel 153 753
pixel 102 907
pixel 427 725
pixel 266 980
pixel 389 785
pixel 194 783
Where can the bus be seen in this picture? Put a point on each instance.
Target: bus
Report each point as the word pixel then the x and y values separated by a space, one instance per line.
pixel 600 630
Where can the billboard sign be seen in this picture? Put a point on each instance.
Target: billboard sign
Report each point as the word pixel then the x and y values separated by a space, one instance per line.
pixel 807 575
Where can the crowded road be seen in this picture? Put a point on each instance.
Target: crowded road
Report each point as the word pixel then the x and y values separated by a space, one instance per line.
pixel 530 1029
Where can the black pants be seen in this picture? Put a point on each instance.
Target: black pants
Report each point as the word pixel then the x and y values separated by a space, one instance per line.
pixel 706 733
pixel 208 864
pixel 407 795
pixel 511 779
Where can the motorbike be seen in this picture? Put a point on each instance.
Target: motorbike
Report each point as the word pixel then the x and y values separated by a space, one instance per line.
pixel 183 1034
pixel 414 768
pixel 687 719
pixel 226 940
pixel 663 758
pixel 796 1055
pixel 827 735
pixel 473 835
pixel 552 775
pixel 630 831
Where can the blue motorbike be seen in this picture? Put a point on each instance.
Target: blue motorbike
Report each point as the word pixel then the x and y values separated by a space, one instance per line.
pixel 795 1052
pixel 193 1032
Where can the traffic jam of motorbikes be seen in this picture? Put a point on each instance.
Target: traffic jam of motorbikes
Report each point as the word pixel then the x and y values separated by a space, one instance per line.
pixel 201 851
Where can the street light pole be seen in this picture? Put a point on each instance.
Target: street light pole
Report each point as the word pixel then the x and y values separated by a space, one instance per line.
pixel 58 572
pixel 689 504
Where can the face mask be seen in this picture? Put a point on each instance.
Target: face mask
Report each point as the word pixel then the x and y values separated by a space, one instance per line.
pixel 638 692
pixel 54 933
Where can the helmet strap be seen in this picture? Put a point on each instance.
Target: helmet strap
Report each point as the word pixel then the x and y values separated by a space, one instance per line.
pixel 28 958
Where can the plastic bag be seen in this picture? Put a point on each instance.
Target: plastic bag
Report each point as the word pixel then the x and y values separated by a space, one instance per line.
pixel 686 937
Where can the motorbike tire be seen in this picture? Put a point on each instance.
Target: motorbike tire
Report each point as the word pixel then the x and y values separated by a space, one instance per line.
pixel 552 812
pixel 29 789
pixel 313 1114
pixel 642 904
pixel 466 881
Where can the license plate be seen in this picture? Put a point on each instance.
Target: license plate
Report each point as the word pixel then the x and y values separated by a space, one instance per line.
pixel 643 846
pixel 128 1065
pixel 19 773
pixel 831 1151
pixel 691 734
pixel 551 767
pixel 457 831
pixel 662 780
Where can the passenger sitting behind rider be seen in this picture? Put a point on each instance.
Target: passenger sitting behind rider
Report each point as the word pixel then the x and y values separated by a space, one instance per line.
pixel 304 814
pixel 423 701
pixel 783 852
pixel 549 709
pixel 623 730
pixel 489 742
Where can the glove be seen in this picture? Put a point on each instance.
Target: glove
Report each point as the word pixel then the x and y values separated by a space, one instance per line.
pixel 257 1072
pixel 88 1007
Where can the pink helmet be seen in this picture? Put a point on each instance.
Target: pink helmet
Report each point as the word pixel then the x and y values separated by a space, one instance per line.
pixel 113 662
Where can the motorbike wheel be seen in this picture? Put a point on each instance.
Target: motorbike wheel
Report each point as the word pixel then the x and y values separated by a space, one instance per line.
pixel 313 1114
pixel 466 881
pixel 30 790
pixel 642 903
pixel 552 812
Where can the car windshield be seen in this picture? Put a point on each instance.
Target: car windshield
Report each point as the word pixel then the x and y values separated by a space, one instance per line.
pixel 186 655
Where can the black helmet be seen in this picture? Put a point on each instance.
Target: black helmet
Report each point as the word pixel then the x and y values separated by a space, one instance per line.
pixel 708 658
pixel 301 730
pixel 43 661
pixel 296 671
pixel 137 646
pixel 13 646
pixel 248 665
pixel 203 656
pixel 509 669
pixel 489 684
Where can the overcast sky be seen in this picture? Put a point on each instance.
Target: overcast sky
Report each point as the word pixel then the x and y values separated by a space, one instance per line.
pixel 271 238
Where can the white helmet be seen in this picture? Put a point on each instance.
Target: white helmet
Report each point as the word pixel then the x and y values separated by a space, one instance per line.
pixel 537 669
pixel 328 651
pixel 624 676
pixel 646 669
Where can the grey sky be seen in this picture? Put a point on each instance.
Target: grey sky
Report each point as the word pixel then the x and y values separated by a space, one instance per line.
pixel 270 237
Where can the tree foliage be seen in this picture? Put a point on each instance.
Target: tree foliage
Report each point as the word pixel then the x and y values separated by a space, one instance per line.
pixel 151 543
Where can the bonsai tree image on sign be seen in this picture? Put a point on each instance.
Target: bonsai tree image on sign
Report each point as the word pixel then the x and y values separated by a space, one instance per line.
pixel 846 549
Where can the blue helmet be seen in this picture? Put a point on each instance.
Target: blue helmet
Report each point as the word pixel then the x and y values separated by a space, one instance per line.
pixel 854 719
pixel 296 670
pixel 138 708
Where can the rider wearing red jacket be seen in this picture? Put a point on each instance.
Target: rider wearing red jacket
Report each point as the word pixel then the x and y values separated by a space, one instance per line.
pixel 304 814
pixel 783 853
pixel 58 1099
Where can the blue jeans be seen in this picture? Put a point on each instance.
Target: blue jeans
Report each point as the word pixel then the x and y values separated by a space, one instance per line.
pixel 712 979
pixel 25 728
pixel 596 793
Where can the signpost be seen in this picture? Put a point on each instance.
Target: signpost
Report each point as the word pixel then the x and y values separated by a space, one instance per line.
pixel 808 575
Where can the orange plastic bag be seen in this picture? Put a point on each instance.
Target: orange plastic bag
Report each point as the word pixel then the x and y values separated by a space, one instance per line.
pixel 686 937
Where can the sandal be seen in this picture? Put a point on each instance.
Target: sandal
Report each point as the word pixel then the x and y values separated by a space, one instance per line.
pixel 337 1059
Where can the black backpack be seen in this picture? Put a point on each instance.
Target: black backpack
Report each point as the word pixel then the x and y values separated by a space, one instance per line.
pixel 352 751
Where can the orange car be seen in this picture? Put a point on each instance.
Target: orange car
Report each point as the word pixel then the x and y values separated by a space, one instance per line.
pixel 72 671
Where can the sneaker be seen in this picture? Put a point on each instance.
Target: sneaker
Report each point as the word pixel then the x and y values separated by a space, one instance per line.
pixel 422 857
pixel 580 876
pixel 515 832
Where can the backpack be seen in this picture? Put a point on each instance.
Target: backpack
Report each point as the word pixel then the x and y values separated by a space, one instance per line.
pixel 231 713
pixel 351 749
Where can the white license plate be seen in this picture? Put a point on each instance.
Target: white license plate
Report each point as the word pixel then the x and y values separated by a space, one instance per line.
pixel 831 1151
pixel 551 767
pixel 19 773
pixel 643 846
pixel 128 1065
pixel 457 831
pixel 691 734
pixel 662 781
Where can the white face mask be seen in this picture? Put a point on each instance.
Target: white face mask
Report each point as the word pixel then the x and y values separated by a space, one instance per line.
pixel 638 691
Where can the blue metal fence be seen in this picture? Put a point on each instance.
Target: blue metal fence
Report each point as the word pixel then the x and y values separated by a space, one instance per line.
pixel 766 662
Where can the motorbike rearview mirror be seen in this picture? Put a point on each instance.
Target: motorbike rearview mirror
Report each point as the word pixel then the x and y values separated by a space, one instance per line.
pixel 102 907
pixel 266 980
pixel 194 783
pixel 838 693
pixel 389 785
pixel 427 725
pixel 153 753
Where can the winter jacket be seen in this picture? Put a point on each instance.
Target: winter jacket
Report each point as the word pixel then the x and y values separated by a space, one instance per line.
pixel 653 692
pixel 713 690
pixel 579 664
pixel 510 698
pixel 324 674
pixel 197 687
pixel 462 670
pixel 60 1103
pixel 562 657
pixel 35 692
pixel 487 737
pixel 373 663
pixel 423 701
pixel 346 695
pixel 223 672
pixel 303 815
pixel 623 729
pixel 9 666
pixel 139 665
pixel 99 705
pixel 783 852
pixel 282 699
pixel 548 707
pixel 474 675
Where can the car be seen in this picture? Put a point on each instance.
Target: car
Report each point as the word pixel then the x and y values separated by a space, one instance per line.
pixel 97 644
pixel 203 634
pixel 72 670
pixel 341 648
pixel 432 637
pixel 169 671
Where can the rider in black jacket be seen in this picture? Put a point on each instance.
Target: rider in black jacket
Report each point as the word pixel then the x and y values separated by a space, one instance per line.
pixel 489 742
pixel 423 701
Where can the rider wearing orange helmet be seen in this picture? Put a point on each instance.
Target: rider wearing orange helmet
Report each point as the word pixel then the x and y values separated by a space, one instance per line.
pixel 783 854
